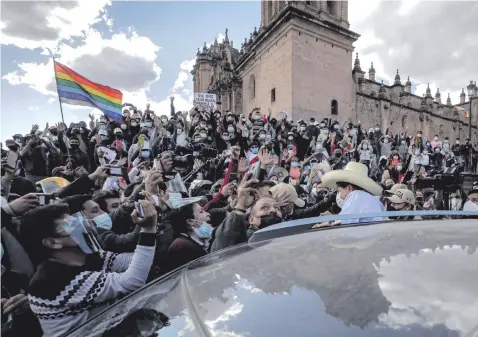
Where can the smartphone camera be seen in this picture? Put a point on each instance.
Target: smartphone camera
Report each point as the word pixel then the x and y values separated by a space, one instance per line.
pixel 115 171
pixel 139 209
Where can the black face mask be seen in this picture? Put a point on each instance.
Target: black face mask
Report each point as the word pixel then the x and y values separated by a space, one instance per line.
pixel 54 132
pixel 338 155
pixel 269 220
pixel 13 148
pixel 74 146
pixel 119 135
pixel 75 130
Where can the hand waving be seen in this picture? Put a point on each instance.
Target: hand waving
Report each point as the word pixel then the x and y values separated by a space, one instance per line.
pixel 242 168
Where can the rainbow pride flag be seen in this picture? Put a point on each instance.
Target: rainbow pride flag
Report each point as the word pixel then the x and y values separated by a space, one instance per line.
pixel 77 90
pixel 461 108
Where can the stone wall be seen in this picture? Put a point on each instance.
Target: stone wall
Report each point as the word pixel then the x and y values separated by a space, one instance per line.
pixel 372 110
pixel 320 73
pixel 271 66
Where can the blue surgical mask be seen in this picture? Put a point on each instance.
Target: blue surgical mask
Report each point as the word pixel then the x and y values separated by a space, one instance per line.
pixel 103 221
pixel 295 164
pixel 254 150
pixel 204 231
pixel 145 153
pixel 313 166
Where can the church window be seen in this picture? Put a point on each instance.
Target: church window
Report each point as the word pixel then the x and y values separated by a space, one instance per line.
pixel 404 121
pixel 252 87
pixel 332 7
pixel 334 107
pixel 441 131
pixel 273 95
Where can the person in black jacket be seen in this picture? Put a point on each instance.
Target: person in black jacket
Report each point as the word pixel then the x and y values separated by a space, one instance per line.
pixel 292 206
pixel 192 233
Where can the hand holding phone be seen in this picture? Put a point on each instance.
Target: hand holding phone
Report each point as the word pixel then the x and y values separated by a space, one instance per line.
pixel 115 171
pixel 44 198
pixel 139 209
pixel 12 159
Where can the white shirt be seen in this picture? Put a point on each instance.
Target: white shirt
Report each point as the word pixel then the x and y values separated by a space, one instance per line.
pixel 358 202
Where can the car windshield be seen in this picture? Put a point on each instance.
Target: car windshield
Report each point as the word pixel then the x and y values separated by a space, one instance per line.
pixel 389 279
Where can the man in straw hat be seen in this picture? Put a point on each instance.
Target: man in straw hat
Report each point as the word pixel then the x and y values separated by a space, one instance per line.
pixel 355 193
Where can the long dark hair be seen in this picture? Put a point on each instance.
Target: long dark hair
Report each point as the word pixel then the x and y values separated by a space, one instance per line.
pixel 180 217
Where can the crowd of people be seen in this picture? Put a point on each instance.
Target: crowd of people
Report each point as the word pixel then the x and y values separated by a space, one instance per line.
pixel 92 212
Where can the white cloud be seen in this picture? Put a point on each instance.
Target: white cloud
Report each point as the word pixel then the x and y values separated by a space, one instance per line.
pixel 40 24
pixel 186 66
pixel 126 62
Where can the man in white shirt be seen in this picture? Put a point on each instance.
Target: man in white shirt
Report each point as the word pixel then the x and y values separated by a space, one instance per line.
pixel 355 193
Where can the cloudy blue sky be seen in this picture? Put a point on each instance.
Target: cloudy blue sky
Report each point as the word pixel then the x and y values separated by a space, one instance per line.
pixel 147 49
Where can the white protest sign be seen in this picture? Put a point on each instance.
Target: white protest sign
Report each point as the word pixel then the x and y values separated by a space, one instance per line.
pixel 205 101
pixel 108 154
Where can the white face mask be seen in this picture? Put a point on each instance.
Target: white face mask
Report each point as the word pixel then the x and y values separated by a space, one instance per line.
pixel 385 140
pixel 458 142
pixel 302 128
pixel 399 167
pixel 326 132
pixel 339 201
pixel 436 138
pixel 262 136
pixel 230 129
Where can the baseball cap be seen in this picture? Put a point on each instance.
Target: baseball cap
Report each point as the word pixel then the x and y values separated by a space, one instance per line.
pixel 403 195
pixel 285 193
pixel 396 187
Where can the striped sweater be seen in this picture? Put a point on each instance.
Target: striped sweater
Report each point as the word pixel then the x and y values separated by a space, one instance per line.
pixel 64 297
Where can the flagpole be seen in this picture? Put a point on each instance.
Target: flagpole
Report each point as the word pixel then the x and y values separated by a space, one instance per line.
pixel 56 81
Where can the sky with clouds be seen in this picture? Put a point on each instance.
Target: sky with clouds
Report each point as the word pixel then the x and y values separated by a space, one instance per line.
pixel 147 49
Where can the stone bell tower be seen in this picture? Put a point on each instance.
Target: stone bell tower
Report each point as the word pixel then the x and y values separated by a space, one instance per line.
pixel 300 60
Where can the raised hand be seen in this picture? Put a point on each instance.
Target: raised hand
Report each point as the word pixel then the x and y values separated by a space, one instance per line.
pixel 35 127
pixel 246 193
pixel 61 127
pixel 264 157
pixel 92 117
pixel 23 204
pixel 242 168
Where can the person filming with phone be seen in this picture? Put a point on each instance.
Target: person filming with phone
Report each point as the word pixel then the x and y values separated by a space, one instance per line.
pixel 72 258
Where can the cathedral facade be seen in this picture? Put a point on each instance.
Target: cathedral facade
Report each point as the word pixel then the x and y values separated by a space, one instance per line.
pixel 299 61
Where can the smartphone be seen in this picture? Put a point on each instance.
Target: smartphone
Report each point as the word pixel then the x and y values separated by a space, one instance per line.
pixel 12 159
pixel 139 209
pixel 45 198
pixel 116 171
pixel 140 140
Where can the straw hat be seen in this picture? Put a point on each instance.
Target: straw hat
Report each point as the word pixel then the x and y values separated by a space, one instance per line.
pixel 354 173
